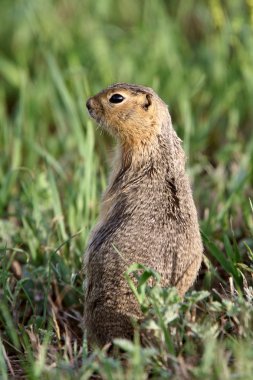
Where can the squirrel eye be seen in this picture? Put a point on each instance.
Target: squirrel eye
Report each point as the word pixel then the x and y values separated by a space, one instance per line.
pixel 116 98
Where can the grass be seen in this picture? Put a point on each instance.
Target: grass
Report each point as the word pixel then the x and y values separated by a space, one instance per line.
pixel 54 163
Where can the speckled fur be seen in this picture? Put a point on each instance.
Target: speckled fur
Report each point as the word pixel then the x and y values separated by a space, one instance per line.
pixel 147 214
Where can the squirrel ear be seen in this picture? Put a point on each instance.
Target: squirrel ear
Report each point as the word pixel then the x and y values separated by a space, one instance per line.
pixel 148 101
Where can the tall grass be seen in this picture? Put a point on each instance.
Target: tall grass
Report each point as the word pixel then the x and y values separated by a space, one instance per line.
pixel 54 163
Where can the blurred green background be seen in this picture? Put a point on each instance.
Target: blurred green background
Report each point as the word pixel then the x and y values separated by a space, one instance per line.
pixel 197 55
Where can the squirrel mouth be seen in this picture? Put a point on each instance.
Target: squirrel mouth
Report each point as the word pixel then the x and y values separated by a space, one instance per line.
pixel 95 117
pixel 91 113
pixel 91 110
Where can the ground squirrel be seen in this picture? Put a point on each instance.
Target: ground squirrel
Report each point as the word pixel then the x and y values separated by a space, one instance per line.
pixel 147 214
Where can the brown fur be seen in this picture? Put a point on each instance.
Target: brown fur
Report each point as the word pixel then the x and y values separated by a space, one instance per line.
pixel 147 214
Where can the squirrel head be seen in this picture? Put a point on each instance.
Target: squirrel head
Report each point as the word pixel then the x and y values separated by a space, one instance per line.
pixel 129 112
